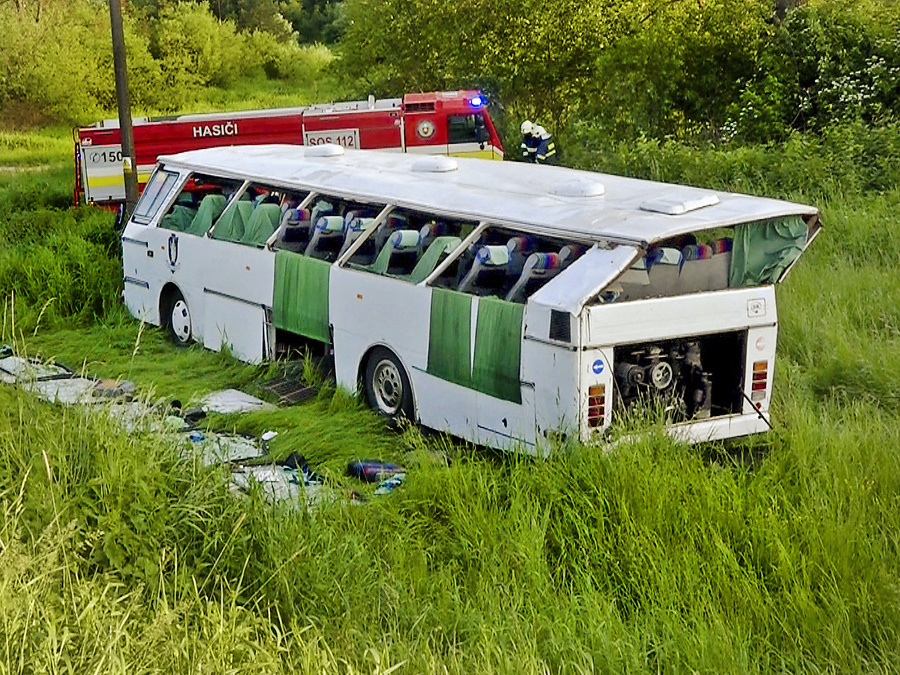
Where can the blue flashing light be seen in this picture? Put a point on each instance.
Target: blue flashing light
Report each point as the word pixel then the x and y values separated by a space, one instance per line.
pixel 476 101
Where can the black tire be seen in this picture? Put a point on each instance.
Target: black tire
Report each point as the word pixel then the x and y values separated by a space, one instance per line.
pixel 178 320
pixel 388 391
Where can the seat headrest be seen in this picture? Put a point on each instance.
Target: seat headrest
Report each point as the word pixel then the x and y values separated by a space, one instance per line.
pixel 521 244
pixel 543 261
pixel 493 255
pixel 330 223
pixel 697 252
pixel 722 245
pixel 402 239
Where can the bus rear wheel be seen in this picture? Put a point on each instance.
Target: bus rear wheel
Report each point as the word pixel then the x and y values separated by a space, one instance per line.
pixel 387 386
pixel 179 319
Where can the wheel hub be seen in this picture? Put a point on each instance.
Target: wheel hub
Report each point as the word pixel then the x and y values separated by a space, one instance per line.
pixel 181 321
pixel 388 387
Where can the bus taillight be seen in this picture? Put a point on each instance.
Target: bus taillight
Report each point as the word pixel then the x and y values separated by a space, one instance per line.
pixel 760 380
pixel 596 405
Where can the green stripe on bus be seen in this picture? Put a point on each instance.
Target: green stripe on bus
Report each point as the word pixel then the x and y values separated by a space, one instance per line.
pixel 300 301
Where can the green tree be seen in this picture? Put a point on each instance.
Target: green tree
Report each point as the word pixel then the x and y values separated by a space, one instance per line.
pixel 315 21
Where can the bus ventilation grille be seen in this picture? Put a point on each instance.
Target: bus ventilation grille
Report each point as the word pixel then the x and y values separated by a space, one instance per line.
pixel 560 326
pixel 420 107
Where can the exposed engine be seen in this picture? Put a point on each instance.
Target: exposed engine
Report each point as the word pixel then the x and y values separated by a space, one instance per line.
pixel 692 378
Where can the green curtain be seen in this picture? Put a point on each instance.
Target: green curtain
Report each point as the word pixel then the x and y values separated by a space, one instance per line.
pixel 498 345
pixel 450 336
pixel 300 302
pixel 763 250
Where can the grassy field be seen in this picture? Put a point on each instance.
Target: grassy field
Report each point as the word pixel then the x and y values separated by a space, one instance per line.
pixel 776 553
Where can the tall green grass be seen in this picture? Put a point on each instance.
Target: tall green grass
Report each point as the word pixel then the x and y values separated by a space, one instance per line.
pixel 777 553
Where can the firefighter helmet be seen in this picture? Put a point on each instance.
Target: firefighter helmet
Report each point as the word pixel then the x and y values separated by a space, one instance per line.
pixel 527 127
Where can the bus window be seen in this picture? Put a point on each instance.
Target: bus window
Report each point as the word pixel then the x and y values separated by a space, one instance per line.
pixel 255 214
pixel 509 264
pixel 200 202
pixel 409 244
pixel 336 223
pixel 154 195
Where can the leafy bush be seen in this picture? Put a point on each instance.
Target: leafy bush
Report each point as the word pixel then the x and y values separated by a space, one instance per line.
pixel 823 66
pixel 849 159
pixel 315 21
pixel 195 49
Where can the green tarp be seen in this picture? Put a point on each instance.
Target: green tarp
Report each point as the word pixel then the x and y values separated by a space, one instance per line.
pixel 300 302
pixel 762 251
pixel 450 336
pixel 498 343
pixel 494 369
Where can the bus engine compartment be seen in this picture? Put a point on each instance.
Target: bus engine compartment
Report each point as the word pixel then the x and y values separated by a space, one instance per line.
pixel 690 378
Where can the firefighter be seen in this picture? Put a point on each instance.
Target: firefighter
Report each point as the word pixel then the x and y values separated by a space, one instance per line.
pixel 529 142
pixel 545 148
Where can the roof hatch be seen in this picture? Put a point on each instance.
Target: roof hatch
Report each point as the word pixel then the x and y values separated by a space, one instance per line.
pixel 324 150
pixel 435 164
pixel 678 204
pixel 579 188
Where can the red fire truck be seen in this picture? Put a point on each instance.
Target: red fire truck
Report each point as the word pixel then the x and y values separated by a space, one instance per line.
pixel 447 123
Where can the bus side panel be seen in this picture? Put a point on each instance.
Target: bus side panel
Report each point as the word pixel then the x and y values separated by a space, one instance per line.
pixel 234 270
pixel 368 310
pixel 553 371
pixel 507 425
pixel 239 326
pixel 138 292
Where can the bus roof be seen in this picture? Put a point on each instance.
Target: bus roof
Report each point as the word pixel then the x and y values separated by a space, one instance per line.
pixel 547 199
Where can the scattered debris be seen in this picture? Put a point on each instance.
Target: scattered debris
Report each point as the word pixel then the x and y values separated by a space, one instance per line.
pixel 233 401
pixel 290 391
pixel 372 470
pixel 114 388
pixel 391 484
pixel 66 391
pixel 16 369
pixel 289 480
pixel 212 448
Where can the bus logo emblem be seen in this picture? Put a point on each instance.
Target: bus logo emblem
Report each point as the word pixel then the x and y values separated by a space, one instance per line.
pixel 597 366
pixel 173 249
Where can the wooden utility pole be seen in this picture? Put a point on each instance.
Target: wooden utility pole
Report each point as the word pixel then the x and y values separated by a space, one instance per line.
pixel 129 165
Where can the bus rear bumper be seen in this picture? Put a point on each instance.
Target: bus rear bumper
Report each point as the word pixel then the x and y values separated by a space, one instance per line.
pixel 717 428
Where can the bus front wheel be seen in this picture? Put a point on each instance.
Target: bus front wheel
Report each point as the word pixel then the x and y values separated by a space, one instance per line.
pixel 387 386
pixel 180 327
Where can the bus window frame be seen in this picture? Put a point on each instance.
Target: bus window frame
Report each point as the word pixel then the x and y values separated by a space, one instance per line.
pixel 449 260
pixel 279 231
pixel 161 200
pixel 344 259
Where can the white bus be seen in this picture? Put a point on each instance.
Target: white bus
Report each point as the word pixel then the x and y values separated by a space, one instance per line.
pixel 505 303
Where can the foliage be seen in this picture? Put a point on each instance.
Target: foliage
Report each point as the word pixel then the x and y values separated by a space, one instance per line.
pixel 824 65
pixel 57 64
pixel 315 21
pixel 849 159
